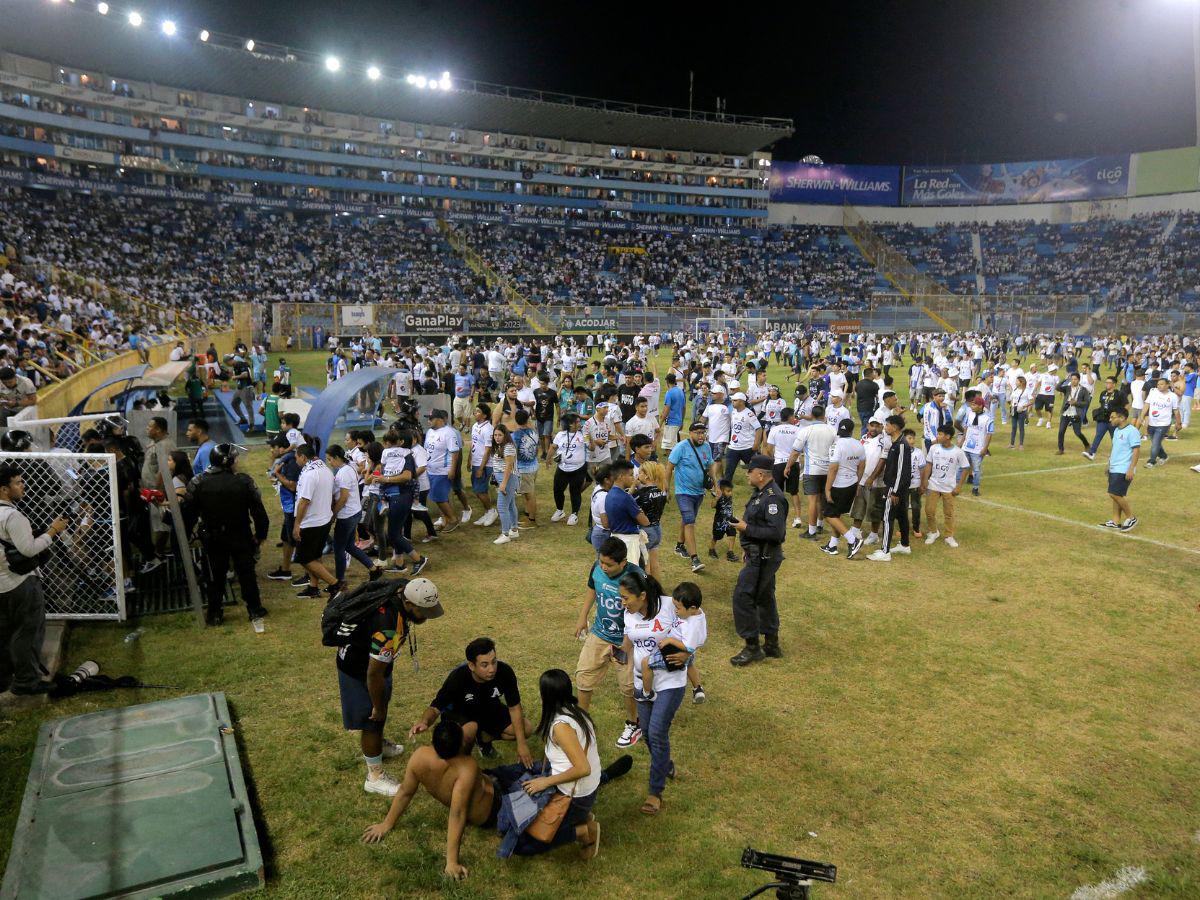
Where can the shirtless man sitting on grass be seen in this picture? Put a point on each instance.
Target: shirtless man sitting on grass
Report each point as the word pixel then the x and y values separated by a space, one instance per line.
pixel 455 780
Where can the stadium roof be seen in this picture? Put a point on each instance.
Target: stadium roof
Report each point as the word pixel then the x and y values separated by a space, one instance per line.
pixel 77 37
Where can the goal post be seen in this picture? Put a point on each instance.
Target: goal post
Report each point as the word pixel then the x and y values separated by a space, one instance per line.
pixel 83 577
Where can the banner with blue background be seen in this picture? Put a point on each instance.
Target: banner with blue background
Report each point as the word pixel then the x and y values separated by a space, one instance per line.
pixel 797 182
pixel 1040 181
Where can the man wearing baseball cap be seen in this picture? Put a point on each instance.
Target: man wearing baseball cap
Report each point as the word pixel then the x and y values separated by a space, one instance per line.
pixel 691 470
pixel 443 445
pixel 367 649
pixel 745 435
pixel 762 530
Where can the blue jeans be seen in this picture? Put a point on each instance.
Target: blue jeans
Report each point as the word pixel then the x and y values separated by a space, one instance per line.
pixel 576 814
pixel 1157 434
pixel 1102 428
pixel 598 536
pixel 1018 421
pixel 343 543
pixel 506 502
pixel 976 461
pixel 733 457
pixel 655 721
pixel 399 510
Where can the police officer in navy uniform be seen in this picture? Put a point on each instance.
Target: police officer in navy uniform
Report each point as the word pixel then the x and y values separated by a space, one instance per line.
pixel 762 530
pixel 230 509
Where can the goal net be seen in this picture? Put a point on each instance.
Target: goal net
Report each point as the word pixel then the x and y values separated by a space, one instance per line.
pixel 82 578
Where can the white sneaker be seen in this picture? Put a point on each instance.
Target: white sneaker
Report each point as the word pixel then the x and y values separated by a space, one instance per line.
pixel 391 750
pixel 503 539
pixel 514 534
pixel 385 784
pixel 491 516
pixel 420 507
pixel 573 519
pixel 440 523
pixel 902 550
pixel 872 538
pixel 1089 455
pixel 1196 468
pixel 630 735
pixel 558 516
pixel 951 542
pixel 880 556
pixel 932 537
pixel 466 516
pixel 796 523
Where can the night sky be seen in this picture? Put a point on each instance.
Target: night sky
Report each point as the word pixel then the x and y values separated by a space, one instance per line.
pixel 865 82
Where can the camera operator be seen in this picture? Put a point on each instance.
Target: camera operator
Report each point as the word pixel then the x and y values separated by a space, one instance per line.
pixel 22 604
pixel 227 503
pixel 762 530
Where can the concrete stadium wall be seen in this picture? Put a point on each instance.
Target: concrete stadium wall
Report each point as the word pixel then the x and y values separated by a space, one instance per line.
pixel 58 400
pixel 928 216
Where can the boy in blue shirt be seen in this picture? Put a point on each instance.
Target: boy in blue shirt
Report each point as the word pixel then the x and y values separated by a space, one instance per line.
pixel 674 403
pixel 1122 464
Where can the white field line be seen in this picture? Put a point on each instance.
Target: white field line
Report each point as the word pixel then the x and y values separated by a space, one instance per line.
pixel 1126 879
pixel 1053 518
pixel 1069 468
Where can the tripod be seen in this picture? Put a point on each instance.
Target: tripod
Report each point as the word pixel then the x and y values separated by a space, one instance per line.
pixel 784 890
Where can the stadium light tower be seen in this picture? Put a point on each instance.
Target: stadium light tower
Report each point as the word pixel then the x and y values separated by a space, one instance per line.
pixel 168 28
pixel 332 63
pixel 204 35
pixel 373 73
pixel 135 19
pixel 102 8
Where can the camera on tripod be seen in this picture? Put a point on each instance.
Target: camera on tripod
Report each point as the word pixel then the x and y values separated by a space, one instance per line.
pixel 795 875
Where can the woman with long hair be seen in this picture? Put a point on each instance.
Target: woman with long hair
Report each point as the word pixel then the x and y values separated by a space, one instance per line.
pixel 651 497
pixel 569 736
pixel 504 459
pixel 570 452
pixel 1020 403
pixel 181 471
pixel 398 481
pixel 566 395
pixel 649 618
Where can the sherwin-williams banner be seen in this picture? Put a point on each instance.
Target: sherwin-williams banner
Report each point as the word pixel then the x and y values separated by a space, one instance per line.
pixel 1040 181
pixel 796 182
pixel 1167 171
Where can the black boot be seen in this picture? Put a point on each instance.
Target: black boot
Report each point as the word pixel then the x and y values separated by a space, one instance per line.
pixel 751 653
pixel 771 646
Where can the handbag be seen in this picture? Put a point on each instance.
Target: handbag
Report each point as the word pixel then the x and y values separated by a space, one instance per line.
pixel 546 823
pixel 709 484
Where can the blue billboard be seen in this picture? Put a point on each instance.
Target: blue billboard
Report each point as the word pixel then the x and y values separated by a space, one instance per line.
pixel 797 182
pixel 1040 181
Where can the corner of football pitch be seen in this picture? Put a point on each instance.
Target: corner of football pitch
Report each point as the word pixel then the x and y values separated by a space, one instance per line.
pixel 1016 716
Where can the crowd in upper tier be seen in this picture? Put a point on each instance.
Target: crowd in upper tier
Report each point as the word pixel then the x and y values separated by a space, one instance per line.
pixel 201 258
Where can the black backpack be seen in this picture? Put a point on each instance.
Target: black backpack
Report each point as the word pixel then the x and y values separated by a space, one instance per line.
pixel 342 615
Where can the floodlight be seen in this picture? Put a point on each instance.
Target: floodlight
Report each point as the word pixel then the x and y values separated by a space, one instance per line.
pixel 204 35
pixel 332 63
pixel 102 8
pixel 419 81
pixel 411 79
pixel 135 19
pixel 373 73
pixel 168 27
pixel 444 83
pixel 250 45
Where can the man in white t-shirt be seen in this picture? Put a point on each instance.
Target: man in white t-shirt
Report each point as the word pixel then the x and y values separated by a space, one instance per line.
pixel 779 443
pixel 481 452
pixel 846 463
pixel 978 427
pixel 314 520
pixel 946 468
pixel 641 423
pixel 717 417
pixel 815 442
pixel 1043 402
pixel 443 444
pixel 1159 412
pixel 745 434
pixel 837 411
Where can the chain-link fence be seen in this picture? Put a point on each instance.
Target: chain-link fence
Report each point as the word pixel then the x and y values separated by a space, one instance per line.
pixel 83 578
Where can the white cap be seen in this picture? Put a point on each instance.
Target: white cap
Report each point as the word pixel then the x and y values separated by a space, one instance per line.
pixel 423 594
pixel 1052 368
pixel 718 388
pixel 738 396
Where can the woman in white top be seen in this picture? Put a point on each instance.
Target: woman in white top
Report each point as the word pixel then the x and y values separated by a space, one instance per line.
pixel 504 458
pixel 1020 402
pixel 571 454
pixel 650 618
pixel 347 511
pixel 600 532
pixel 569 736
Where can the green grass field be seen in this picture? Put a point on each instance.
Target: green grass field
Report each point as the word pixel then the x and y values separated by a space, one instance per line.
pixel 1014 717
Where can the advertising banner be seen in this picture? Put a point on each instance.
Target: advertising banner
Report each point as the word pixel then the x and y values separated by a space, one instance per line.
pixel 1040 181
pixel 358 315
pixel 588 324
pixel 796 182
pixel 1167 171
pixel 432 323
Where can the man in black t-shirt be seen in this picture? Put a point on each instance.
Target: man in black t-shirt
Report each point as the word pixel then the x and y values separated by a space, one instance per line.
pixel 627 395
pixel 866 397
pixel 545 401
pixel 482 694
pixel 364 665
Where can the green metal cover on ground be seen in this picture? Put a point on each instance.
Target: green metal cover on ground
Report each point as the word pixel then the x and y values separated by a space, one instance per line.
pixel 143 801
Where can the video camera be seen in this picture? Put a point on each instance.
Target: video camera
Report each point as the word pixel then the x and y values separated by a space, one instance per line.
pixel 795 875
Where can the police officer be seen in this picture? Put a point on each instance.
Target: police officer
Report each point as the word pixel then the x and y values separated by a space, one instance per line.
pixel 227 503
pixel 761 529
